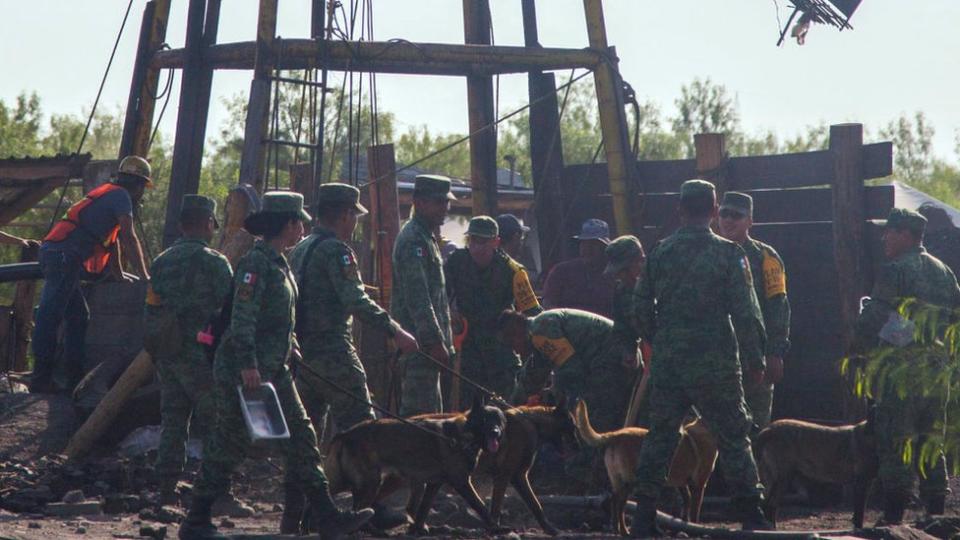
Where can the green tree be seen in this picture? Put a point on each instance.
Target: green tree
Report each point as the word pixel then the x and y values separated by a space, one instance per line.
pixel 912 146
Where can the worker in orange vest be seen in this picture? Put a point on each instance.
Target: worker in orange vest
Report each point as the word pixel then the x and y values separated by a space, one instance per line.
pixel 81 245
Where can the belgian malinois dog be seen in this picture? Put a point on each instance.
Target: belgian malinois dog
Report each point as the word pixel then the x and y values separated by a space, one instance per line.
pixel 527 428
pixel 834 455
pixel 690 469
pixel 426 451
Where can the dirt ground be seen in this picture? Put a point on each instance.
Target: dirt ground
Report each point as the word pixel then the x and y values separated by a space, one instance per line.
pixel 259 485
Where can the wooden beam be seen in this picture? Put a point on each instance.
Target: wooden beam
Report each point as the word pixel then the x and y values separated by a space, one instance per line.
pixel 480 106
pixel 254 152
pixel 392 57
pixel 613 121
pixel 24 298
pixel 546 164
pixel 303 181
pixel 136 375
pixel 202 22
pixel 846 143
pixel 138 122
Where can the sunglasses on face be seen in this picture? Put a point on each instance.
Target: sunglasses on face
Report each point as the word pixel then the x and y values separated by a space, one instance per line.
pixel 730 214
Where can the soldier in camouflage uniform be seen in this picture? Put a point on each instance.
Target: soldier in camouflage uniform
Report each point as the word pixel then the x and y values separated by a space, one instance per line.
pixel 419 300
pixel 695 285
pixel 332 292
pixel 582 351
pixel 482 281
pixel 625 262
pixel 910 273
pixel 770 285
pixel 255 348
pixel 189 283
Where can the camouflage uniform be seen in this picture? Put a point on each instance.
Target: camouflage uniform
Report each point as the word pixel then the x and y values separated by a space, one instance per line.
pixel 193 281
pixel 420 305
pixel 332 291
pixel 260 336
pixel 913 275
pixel 481 294
pixel 770 285
pixel 695 285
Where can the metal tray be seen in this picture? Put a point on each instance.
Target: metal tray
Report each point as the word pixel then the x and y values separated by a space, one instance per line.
pixel 262 413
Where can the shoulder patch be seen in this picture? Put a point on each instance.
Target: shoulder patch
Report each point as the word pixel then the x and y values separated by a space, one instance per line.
pixel 745 266
pixel 774 276
pixel 418 251
pixel 249 278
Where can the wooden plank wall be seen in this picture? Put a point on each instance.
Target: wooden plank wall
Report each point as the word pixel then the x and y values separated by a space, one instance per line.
pixel 794 213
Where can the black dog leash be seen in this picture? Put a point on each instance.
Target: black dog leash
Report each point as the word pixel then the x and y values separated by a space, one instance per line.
pixel 381 410
pixel 492 396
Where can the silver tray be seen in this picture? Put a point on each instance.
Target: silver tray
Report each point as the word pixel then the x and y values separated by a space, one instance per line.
pixel 262 413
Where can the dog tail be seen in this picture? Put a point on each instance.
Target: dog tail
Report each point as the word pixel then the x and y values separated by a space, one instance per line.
pixel 587 434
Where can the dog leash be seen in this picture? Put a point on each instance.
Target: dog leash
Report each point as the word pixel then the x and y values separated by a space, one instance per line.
pixel 493 396
pixel 380 409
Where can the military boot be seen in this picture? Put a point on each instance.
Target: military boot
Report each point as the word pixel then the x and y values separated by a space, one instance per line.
pixel 751 515
pixel 198 524
pixel 894 505
pixel 294 504
pixel 328 520
pixel 645 519
pixel 386 518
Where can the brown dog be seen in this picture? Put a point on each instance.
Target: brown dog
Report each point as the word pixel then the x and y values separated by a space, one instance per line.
pixel 690 470
pixel 527 429
pixel 424 451
pixel 835 455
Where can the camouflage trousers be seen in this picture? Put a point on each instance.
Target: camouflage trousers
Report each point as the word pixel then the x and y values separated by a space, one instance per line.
pixel 186 393
pixel 605 385
pixel 321 399
pixel 725 413
pixel 492 366
pixel 759 398
pixel 420 389
pixel 899 420
pixel 227 446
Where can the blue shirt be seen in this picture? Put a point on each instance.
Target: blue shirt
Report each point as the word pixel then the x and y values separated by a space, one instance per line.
pixel 96 221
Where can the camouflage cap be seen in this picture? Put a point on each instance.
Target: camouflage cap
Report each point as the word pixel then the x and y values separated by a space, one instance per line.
pixel 738 202
pixel 621 253
pixel 903 219
pixel 696 188
pixel 345 194
pixel 191 203
pixel 284 202
pixel 484 227
pixel 432 186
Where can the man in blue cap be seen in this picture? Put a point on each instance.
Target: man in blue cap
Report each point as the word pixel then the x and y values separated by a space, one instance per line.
pixel 581 282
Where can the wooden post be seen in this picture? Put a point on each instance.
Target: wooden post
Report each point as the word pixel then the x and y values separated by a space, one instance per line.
pixel 192 116
pixel 138 122
pixel 711 155
pixel 234 240
pixel 23 301
pixel 258 109
pixel 613 122
pixel 384 226
pixel 846 143
pixel 136 375
pixel 483 145
pixel 303 181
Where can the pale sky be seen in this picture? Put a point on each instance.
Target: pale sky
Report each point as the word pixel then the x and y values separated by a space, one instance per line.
pixel 894 61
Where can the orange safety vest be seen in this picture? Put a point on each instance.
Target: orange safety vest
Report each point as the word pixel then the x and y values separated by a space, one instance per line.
pixel 65 227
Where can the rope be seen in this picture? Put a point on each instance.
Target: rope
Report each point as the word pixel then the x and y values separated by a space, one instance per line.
pixel 381 410
pixel 491 125
pixel 93 111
